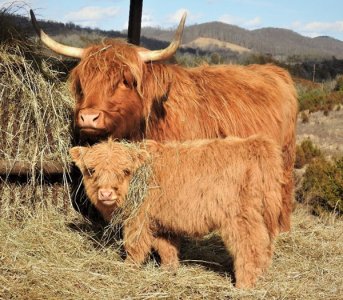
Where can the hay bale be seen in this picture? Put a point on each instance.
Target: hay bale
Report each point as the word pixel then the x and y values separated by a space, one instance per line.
pixel 35 126
pixel 35 114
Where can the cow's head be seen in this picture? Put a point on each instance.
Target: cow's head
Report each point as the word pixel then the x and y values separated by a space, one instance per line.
pixel 107 170
pixel 109 85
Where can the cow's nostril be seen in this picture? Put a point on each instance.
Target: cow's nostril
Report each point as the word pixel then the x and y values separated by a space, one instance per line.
pixel 96 117
pixel 82 118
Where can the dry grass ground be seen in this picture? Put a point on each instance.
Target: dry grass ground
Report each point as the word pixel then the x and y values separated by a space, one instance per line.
pixel 49 255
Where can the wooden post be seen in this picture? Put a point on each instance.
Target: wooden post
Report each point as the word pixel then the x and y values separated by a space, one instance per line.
pixel 135 19
pixel 314 72
pixel 22 168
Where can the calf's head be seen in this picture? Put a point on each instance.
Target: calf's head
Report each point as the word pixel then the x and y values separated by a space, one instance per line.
pixel 107 170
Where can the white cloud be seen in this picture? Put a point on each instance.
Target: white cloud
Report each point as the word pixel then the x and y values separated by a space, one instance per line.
pixel 4 4
pixel 253 22
pixel 174 19
pixel 246 23
pixel 147 20
pixel 92 13
pixel 319 26
pixel 176 16
pixel 315 28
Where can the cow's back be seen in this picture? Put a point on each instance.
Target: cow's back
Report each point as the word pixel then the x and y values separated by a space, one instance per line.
pixel 220 101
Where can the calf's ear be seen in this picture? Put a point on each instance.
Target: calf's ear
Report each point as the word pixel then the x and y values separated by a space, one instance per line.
pixel 139 157
pixel 142 156
pixel 76 154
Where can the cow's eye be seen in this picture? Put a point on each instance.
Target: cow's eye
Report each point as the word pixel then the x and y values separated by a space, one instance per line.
pixel 90 171
pixel 126 83
pixel 127 172
pixel 79 91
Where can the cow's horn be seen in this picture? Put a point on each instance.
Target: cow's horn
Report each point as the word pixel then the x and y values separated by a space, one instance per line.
pixel 52 44
pixel 170 50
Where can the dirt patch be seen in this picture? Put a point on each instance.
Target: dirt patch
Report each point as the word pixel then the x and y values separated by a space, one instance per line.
pixel 210 43
pixel 324 131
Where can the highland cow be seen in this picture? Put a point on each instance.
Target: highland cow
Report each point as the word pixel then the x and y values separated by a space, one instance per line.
pixel 124 91
pixel 231 186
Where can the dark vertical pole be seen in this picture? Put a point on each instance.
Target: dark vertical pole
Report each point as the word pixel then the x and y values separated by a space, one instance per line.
pixel 314 72
pixel 135 18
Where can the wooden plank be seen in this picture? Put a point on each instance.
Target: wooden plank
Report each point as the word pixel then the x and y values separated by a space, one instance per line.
pixel 135 19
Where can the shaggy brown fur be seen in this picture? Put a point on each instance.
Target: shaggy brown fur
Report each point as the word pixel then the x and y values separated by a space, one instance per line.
pixel 232 186
pixel 121 96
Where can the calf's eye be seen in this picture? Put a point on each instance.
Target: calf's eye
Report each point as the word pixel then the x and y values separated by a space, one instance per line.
pixel 90 171
pixel 127 172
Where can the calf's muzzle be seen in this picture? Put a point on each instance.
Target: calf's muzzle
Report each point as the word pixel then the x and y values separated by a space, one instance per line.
pixel 107 195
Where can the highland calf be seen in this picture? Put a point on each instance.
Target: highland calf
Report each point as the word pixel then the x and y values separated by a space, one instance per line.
pixel 231 186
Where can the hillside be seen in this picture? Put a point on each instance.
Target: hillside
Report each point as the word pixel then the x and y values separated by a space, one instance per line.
pixel 276 41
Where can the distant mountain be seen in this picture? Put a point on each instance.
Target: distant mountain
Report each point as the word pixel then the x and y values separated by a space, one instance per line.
pixel 275 41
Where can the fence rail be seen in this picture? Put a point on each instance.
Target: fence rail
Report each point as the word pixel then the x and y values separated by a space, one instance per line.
pixel 26 168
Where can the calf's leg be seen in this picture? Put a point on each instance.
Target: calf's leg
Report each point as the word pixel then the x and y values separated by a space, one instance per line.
pixel 168 249
pixel 138 241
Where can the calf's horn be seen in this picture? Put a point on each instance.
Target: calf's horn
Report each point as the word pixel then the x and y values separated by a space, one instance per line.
pixel 170 50
pixel 52 44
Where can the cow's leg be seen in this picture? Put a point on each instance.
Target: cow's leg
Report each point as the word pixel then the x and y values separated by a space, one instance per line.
pixel 168 249
pixel 288 154
pixel 247 238
pixel 138 241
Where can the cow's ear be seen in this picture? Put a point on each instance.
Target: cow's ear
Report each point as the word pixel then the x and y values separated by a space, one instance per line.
pixel 76 154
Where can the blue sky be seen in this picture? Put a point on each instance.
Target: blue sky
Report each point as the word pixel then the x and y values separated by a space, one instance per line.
pixel 307 17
